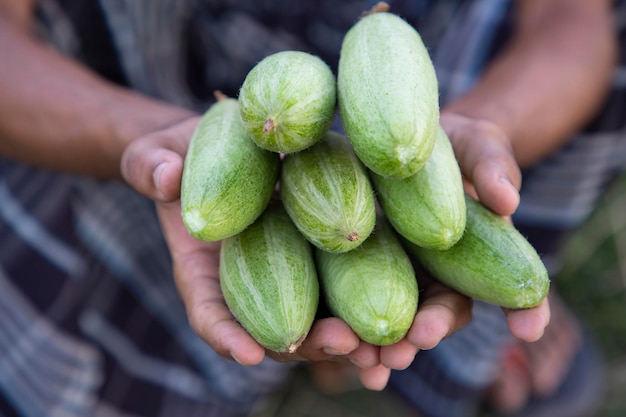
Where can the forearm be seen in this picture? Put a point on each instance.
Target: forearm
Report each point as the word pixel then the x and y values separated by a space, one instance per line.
pixel 550 80
pixel 57 114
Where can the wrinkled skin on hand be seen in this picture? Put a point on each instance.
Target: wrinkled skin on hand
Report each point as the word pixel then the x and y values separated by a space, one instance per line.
pixel 153 166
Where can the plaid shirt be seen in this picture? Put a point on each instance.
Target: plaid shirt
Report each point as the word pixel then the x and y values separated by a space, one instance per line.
pixel 90 323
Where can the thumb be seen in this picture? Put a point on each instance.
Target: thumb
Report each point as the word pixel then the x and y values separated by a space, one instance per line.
pixel 487 161
pixel 495 177
pixel 154 172
pixel 153 164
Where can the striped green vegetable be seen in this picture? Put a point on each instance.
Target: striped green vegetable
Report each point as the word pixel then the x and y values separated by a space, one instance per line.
pixel 227 180
pixel 492 262
pixel 372 288
pixel 269 281
pixel 388 95
pixel 288 101
pixel 327 193
pixel 427 208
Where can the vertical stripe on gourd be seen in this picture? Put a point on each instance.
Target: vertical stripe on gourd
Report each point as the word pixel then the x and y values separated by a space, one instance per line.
pixel 269 281
pixel 327 193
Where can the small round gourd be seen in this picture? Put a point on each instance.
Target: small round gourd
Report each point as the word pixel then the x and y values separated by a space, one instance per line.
pixel 327 193
pixel 288 101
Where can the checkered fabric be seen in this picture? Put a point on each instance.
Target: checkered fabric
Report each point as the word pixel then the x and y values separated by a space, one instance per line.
pixel 90 323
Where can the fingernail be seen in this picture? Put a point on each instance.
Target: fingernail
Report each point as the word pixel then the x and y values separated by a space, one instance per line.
pixel 232 355
pixel 355 362
pixel 156 176
pixel 505 180
pixel 333 352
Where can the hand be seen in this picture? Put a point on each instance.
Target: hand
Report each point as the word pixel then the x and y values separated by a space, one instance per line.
pixel 153 165
pixel 441 312
pixel 487 162
pixel 492 175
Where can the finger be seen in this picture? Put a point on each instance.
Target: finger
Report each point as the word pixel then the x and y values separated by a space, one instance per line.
pixel 334 377
pixel 153 164
pixel 512 388
pixel 207 312
pixel 529 324
pixel 375 378
pixel 152 171
pixel 196 274
pixel 365 356
pixel 178 239
pixel 442 312
pixel 486 159
pixel 494 188
pixel 550 357
pixel 399 355
pixel 327 338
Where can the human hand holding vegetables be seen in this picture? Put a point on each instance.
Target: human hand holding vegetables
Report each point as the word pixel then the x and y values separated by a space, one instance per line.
pixel 153 165
pixel 492 176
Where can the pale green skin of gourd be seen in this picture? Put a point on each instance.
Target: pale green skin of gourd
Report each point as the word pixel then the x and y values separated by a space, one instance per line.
pixel 269 281
pixel 297 91
pixel 372 288
pixel 328 195
pixel 427 208
pixel 388 95
pixel 227 180
pixel 492 262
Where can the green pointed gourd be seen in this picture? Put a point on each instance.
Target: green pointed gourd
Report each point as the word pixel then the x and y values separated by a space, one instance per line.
pixel 269 281
pixel 328 195
pixel 492 262
pixel 288 101
pixel 227 180
pixel 427 208
pixel 372 288
pixel 388 95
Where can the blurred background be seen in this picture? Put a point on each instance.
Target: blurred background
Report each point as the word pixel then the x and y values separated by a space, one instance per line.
pixel 593 282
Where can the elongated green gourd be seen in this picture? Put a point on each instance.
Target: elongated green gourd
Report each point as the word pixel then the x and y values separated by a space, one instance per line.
pixel 372 288
pixel 427 208
pixel 388 95
pixel 327 193
pixel 269 281
pixel 492 262
pixel 288 101
pixel 227 180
